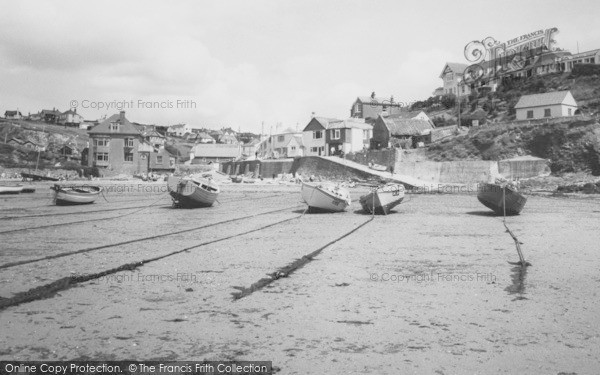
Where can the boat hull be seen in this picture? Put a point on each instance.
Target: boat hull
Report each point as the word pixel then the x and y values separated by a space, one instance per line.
pixel 11 189
pixel 192 193
pixel 323 199
pixel 383 199
pixel 493 195
pixel 37 177
pixel 74 195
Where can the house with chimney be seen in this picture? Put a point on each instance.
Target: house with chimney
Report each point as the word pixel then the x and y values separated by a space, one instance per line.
pixel 13 115
pixel 70 118
pixel 118 146
pixel 50 116
pixel 369 107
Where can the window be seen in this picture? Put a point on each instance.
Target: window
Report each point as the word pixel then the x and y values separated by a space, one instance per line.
pixel 128 142
pixel 357 108
pixel 314 149
pixel 102 156
pixel 365 135
pixel 335 134
pixel 529 114
pixel 281 138
pixel 547 112
pixel 449 76
pixel 569 111
pixel 114 126
pixel 103 142
pixel 463 89
pixel 128 156
pixel 159 159
pixel 293 148
pixel 317 134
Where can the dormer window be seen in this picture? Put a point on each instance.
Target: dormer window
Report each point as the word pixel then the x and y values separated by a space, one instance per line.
pixel 114 126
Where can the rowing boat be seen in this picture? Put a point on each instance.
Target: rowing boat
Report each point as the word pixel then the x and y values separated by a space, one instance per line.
pixel 383 198
pixel 325 197
pixel 192 193
pixel 65 195
pixel 10 189
pixel 494 196
pixel 37 177
pixel 377 167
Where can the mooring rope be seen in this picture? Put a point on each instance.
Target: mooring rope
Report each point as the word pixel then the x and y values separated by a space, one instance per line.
pixel 518 243
pixel 294 266
pixel 49 290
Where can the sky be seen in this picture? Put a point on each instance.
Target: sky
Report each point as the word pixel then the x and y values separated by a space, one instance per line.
pixel 252 64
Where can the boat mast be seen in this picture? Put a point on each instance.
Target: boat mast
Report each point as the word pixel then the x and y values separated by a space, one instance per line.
pixel 38 147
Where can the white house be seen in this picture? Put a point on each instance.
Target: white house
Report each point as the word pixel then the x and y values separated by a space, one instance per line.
pixel 351 135
pixel 179 130
pixel 550 104
pixel 313 136
pixel 278 145
pixel 452 75
pixel 70 117
pixel 295 147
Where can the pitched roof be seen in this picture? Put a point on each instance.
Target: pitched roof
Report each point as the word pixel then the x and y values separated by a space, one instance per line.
pixel 378 100
pixel 50 112
pixel 350 124
pixel 400 126
pixel 125 128
pixel 215 150
pixel 537 100
pixel 298 139
pixel 11 113
pixel 455 67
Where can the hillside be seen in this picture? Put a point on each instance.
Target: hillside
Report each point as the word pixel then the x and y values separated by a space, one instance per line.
pixel 571 146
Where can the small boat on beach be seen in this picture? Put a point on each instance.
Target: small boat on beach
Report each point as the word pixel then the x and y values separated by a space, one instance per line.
pixel 28 189
pixel 11 189
pixel 325 197
pixel 496 196
pixel 65 195
pixel 37 177
pixel 377 167
pixel 383 198
pixel 192 193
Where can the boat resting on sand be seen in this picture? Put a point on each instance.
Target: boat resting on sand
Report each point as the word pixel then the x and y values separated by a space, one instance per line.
pixel 11 189
pixel 65 195
pixel 325 197
pixel 377 167
pixel 192 193
pixel 37 177
pixel 497 196
pixel 383 198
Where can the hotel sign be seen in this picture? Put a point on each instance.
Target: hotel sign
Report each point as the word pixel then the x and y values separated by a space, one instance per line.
pixel 507 56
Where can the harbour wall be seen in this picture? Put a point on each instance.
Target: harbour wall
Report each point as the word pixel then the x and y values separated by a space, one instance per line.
pixel 465 171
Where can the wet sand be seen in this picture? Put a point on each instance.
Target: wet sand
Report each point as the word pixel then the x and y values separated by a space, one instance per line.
pixel 427 289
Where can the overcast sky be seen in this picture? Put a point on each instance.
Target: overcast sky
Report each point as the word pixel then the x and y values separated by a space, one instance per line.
pixel 245 62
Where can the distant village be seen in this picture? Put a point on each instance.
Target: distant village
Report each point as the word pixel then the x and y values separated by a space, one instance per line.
pixel 119 145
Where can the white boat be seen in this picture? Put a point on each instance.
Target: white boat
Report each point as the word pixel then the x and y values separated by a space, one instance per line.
pixel 10 189
pixel 325 197
pixel 383 198
pixel 192 193
pixel 377 167
pixel 75 194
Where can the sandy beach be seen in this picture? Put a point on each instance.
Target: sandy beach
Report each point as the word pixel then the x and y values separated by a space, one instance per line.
pixel 427 289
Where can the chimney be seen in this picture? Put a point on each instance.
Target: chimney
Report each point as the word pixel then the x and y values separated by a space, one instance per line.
pixel 122 115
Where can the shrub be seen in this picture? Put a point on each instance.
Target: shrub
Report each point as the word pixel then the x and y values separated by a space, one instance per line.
pixel 585 70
